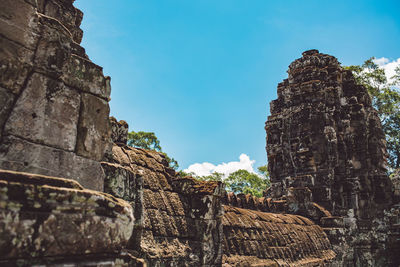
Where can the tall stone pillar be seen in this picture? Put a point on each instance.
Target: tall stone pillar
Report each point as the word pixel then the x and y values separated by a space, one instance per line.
pixel 327 159
pixel 323 134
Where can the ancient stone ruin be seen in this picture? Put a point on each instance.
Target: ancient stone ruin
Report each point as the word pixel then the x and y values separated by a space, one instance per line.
pixel 327 160
pixel 54 99
pixel 72 193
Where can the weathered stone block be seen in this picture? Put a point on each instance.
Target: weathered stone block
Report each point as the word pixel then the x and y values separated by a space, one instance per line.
pixel 58 55
pixel 15 64
pixel 81 73
pixel 121 181
pixel 19 22
pixel 46 113
pixel 119 131
pixel 68 15
pixel 332 222
pixel 93 128
pixel 46 216
pixel 54 47
pixel 21 155
pixel 6 101
pixel 123 259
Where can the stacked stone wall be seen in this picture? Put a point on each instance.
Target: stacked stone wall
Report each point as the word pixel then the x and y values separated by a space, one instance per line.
pixel 179 219
pixel 53 221
pixel 53 99
pixel 188 222
pixel 255 238
pixel 326 153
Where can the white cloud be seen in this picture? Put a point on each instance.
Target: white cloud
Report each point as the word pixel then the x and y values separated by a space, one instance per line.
pixel 381 61
pixel 388 66
pixel 206 168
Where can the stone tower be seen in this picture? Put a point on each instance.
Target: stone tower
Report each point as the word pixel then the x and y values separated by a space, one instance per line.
pixel 327 160
pixel 323 134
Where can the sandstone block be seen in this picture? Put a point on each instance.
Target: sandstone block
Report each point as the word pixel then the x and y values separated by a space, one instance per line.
pixel 47 113
pixel 81 73
pixel 46 217
pixel 19 22
pixel 21 155
pixel 59 56
pixel 93 128
pixel 68 15
pixel 15 64
pixel 54 47
pixel 6 101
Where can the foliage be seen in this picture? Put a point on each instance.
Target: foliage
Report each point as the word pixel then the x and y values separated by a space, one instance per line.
pixel 242 181
pixel 171 161
pixel 181 173
pixel 263 170
pixel 145 140
pixel 386 100
pixel 149 141
pixel 215 176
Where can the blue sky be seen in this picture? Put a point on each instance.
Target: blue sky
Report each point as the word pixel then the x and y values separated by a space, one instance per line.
pixel 201 73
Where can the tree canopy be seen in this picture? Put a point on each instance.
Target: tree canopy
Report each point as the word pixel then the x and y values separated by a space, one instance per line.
pixel 149 141
pixel 386 100
pixel 242 181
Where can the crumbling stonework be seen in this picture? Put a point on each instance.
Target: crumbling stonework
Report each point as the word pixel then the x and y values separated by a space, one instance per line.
pixel 324 134
pixel 179 219
pixel 254 238
pixel 43 219
pixel 119 131
pixel 326 149
pixel 54 100
pixel 184 221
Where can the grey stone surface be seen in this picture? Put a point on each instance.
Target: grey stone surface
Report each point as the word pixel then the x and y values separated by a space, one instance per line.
pixel 15 65
pixel 119 131
pixel 81 73
pixel 6 101
pixel 54 99
pixel 46 113
pixel 69 16
pixel 19 22
pixel 21 155
pixel 324 143
pixel 93 128
pixel 46 216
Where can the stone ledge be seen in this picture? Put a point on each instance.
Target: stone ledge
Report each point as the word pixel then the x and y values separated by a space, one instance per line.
pixel 44 216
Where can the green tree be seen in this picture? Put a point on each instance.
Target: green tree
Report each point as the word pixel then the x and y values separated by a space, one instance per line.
pixel 242 181
pixel 263 170
pixel 145 140
pixel 149 141
pixel 215 176
pixel 386 100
